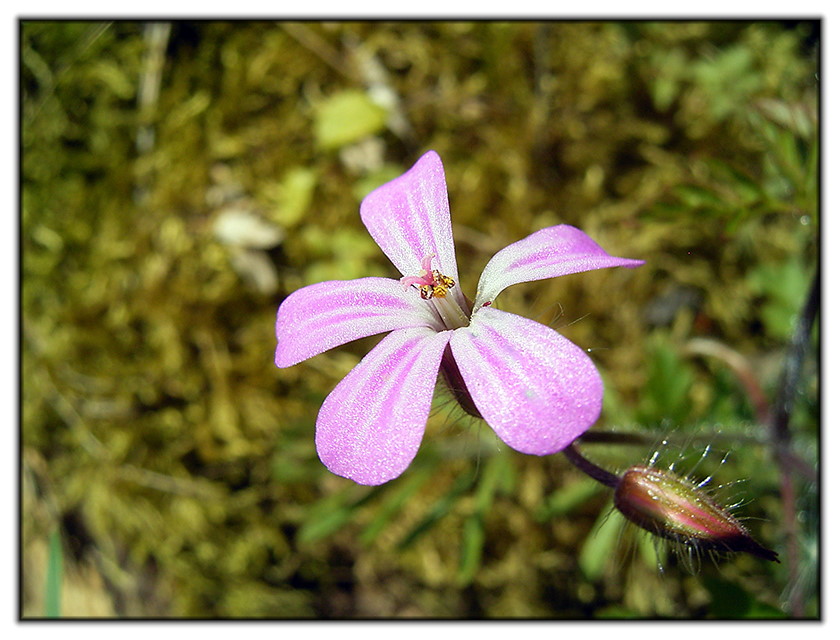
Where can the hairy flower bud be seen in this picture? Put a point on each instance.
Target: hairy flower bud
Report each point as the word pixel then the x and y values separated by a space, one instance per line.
pixel 674 508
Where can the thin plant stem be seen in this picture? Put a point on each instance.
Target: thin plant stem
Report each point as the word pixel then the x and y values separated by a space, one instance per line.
pixel 590 468
pixel 791 459
pixel 781 437
pixel 615 437
pixel 740 366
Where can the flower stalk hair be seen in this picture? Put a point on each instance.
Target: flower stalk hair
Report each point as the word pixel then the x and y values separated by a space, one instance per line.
pixel 532 386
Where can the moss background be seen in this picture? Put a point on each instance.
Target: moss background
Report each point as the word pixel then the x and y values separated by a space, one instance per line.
pixel 178 180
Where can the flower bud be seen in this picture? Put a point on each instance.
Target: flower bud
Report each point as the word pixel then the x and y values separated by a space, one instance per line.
pixel 673 508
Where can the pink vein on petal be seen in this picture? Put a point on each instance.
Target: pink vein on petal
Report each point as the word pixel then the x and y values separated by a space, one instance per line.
pixel 328 314
pixel 408 218
pixel 536 389
pixel 548 253
pixel 370 427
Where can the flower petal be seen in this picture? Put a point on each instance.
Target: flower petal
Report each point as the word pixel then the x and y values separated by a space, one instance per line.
pixel 324 315
pixel 548 253
pixel 408 218
pixel 536 389
pixel 370 426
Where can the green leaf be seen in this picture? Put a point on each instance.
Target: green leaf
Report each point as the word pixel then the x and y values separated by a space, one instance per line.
pixel 568 498
pixel 294 195
pixel 793 116
pixel 438 510
pixel 601 543
pixel 332 513
pixel 347 117
pixel 746 188
pixel 395 503
pixel 697 197
pixel 648 547
pixel 785 286
pixel 665 84
pixel 493 475
pixel 52 597
pixel 325 524
pixel 376 179
pixel 493 479
pixel 669 381
pixel 617 612
pixel 728 80
pixel 731 601
pixel 472 547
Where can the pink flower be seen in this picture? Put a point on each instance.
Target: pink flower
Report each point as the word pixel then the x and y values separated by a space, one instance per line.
pixel 535 389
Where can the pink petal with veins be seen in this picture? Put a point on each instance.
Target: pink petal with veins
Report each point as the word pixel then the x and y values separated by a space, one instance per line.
pixel 408 218
pixel 536 389
pixel 370 427
pixel 548 253
pixel 324 315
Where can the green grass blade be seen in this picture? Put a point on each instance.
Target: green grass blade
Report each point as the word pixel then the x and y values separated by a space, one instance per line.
pixel 52 597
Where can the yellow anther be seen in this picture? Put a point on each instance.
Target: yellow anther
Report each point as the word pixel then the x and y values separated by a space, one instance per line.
pixel 437 288
pixel 443 280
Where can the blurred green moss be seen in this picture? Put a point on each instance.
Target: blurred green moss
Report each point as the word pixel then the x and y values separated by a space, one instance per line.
pixel 179 463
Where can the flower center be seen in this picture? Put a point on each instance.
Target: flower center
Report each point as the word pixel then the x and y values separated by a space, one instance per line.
pixel 438 288
pixel 435 286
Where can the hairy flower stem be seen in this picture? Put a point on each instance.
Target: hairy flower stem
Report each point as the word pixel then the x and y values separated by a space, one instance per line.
pixel 793 366
pixel 615 437
pixel 740 367
pixel 793 461
pixel 780 434
pixel 590 468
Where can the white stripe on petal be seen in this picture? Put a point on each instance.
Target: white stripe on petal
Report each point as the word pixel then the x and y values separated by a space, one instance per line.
pixel 324 315
pixel 370 426
pixel 548 253
pixel 408 218
pixel 536 389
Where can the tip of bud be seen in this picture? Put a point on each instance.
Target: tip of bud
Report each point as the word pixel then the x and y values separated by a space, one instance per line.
pixel 675 509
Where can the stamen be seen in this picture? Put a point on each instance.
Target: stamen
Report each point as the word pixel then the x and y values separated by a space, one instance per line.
pixel 434 286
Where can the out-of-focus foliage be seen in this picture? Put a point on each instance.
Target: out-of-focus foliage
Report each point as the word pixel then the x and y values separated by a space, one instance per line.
pixel 179 180
pixel 347 117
